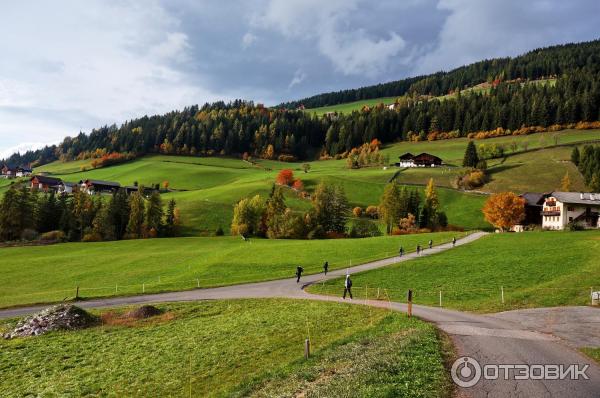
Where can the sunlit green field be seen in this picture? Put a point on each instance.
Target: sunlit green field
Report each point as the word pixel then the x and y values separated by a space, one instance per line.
pixel 51 273
pixel 535 269
pixel 233 348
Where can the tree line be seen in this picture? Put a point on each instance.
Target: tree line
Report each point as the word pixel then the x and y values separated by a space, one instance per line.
pixel 31 216
pixel 401 209
pixel 588 163
pixel 536 64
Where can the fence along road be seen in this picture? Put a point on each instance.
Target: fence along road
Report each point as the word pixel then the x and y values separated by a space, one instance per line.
pixel 487 339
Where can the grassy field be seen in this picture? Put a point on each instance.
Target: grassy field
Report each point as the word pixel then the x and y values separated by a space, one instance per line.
pixel 593 353
pixel 51 273
pixel 536 269
pixel 234 348
pixel 206 189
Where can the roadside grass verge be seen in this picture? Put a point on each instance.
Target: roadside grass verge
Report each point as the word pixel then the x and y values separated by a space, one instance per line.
pixel 534 269
pixel 234 348
pixel 593 353
pixel 40 274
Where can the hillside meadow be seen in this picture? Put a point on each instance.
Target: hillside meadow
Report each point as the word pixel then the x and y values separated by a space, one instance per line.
pixel 535 269
pixel 206 189
pixel 51 273
pixel 233 348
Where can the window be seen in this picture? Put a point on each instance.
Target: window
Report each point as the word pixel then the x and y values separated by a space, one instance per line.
pixel 570 219
pixel 570 208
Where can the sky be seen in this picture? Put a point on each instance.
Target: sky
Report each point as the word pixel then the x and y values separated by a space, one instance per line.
pixel 68 65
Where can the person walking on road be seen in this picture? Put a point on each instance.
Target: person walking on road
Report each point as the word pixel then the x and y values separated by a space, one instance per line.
pixel 430 243
pixel 454 241
pixel 348 287
pixel 418 249
pixel 401 251
pixel 299 271
pixel 326 267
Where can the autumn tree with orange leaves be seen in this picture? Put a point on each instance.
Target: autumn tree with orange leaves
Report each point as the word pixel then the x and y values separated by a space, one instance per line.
pixel 503 210
pixel 285 177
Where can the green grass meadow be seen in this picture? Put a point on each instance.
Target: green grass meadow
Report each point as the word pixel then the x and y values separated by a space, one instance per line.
pixel 51 273
pixel 535 269
pixel 234 348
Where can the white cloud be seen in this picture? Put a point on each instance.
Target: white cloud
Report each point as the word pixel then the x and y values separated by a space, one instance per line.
pixel 352 50
pixel 298 78
pixel 475 30
pixel 21 148
pixel 100 62
pixel 248 39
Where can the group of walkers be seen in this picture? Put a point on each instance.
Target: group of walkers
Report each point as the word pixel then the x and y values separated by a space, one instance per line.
pixel 420 249
pixel 348 281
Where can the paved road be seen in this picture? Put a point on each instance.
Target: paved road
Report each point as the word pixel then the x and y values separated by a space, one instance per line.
pixel 489 339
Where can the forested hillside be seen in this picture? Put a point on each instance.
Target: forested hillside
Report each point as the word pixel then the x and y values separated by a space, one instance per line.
pixel 536 64
pixel 243 127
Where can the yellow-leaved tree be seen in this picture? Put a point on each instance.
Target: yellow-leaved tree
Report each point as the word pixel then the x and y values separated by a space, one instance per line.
pixel 503 210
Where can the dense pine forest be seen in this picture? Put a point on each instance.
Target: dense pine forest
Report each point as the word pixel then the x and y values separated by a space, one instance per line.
pixel 242 127
pixel 536 64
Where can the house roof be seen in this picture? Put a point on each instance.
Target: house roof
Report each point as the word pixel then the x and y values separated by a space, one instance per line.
pixel 68 184
pixel 581 198
pixel 533 198
pixel 426 156
pixel 100 182
pixel 47 180
pixel 25 169
pixel 406 156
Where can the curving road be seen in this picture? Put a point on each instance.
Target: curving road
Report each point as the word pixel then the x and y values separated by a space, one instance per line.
pixel 490 339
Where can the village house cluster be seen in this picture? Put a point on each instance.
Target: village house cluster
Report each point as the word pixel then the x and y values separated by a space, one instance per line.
pixel 9 172
pixel 92 187
pixel 557 210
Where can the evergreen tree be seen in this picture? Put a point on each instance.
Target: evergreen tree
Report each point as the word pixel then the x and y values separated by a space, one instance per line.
pixel 471 158
pixel 102 226
pixel 575 156
pixel 119 213
pixel 135 224
pixel 172 219
pixel 10 225
pixel 154 214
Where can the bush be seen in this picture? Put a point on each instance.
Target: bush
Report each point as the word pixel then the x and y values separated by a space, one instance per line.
pixel 372 211
pixel 287 158
pixel 92 237
pixel 219 232
pixel 364 229
pixel 482 165
pixel 573 226
pixel 357 211
pixel 53 236
pixel 29 234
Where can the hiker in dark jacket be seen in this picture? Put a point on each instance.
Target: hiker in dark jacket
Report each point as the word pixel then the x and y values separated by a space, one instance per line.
pixel 454 241
pixel 430 243
pixel 299 271
pixel 326 267
pixel 401 251
pixel 347 287
pixel 418 249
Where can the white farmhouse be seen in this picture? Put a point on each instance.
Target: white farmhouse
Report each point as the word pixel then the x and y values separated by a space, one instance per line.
pixel 562 208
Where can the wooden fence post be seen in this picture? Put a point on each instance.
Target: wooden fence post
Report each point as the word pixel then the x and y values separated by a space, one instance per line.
pixel 306 348
pixel 77 294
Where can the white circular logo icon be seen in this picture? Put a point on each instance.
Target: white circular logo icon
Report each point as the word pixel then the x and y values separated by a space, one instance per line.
pixel 466 372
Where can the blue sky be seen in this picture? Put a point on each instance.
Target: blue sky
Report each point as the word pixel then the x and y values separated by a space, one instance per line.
pixel 69 65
